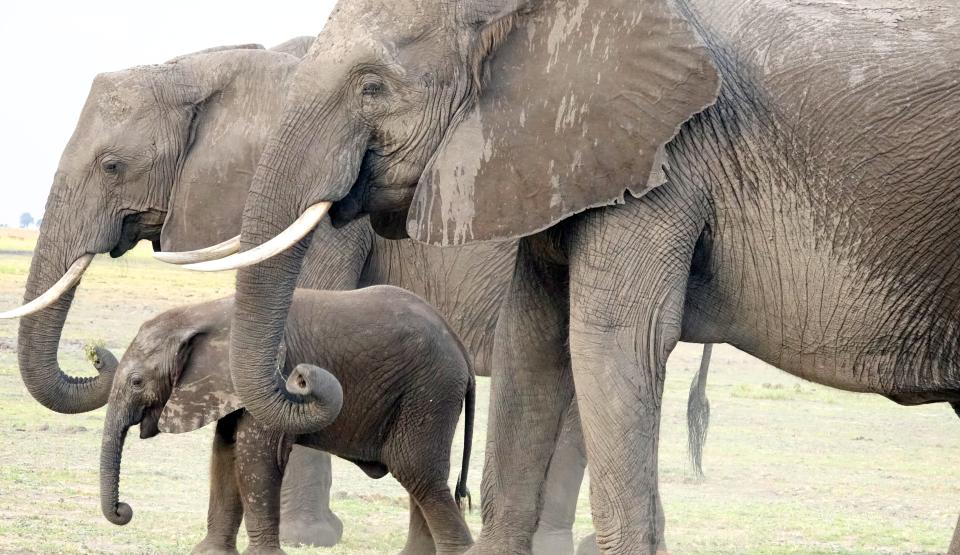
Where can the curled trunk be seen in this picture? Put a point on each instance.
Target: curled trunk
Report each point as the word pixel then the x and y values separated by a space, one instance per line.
pixel 263 298
pixel 265 290
pixel 111 451
pixel 39 338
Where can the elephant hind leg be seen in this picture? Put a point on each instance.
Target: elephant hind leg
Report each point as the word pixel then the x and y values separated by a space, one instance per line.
pixel 419 539
pixel 438 508
pixel 225 509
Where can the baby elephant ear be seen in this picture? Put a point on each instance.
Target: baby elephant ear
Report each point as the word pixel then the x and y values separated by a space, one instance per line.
pixel 582 95
pixel 203 392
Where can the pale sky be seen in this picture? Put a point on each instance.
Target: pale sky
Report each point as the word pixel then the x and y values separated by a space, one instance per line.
pixel 50 52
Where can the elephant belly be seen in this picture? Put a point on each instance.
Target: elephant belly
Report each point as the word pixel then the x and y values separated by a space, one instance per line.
pixel 822 316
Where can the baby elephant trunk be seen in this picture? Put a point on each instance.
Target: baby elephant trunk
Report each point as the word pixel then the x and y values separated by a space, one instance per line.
pixel 114 434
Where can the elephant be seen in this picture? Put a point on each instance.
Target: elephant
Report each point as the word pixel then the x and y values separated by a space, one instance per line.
pixel 180 141
pixel 390 372
pixel 774 175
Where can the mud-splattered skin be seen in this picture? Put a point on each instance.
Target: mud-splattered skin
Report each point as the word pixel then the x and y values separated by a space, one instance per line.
pixel 794 170
pixel 391 375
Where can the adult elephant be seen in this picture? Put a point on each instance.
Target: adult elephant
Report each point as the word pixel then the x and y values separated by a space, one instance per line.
pixel 165 153
pixel 774 175
pixel 160 153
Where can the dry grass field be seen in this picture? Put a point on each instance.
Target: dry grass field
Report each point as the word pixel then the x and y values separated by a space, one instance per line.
pixel 791 467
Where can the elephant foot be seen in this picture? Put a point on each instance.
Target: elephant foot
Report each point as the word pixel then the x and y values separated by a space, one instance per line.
pixel 214 547
pixel 499 546
pixel 588 546
pixel 255 550
pixel 323 531
pixel 553 542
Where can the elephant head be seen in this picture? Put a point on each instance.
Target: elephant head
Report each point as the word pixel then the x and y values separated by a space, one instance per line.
pixel 155 147
pixel 491 119
pixel 172 376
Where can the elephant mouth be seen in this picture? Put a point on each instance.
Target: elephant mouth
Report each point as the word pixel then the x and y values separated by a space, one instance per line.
pixel 372 198
pixel 137 227
pixel 150 423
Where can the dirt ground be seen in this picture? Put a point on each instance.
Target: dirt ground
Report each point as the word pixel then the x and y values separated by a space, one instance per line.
pixel 791 467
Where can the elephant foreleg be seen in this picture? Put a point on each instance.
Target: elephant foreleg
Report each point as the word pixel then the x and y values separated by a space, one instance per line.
pixel 628 275
pixel 554 535
pixel 261 455
pixel 305 515
pixel 531 387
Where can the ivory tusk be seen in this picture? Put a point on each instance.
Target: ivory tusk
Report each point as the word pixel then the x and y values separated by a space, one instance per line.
pixel 213 252
pixel 283 241
pixel 50 296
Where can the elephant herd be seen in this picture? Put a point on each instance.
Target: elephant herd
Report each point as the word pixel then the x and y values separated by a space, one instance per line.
pixel 569 187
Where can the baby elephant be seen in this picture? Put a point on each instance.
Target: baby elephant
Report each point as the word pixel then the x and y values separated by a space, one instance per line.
pixel 380 364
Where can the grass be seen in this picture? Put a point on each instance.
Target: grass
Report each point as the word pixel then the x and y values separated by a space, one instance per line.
pixel 791 467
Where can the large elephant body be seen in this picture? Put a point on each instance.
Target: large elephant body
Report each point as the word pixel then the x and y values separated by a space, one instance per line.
pixel 776 175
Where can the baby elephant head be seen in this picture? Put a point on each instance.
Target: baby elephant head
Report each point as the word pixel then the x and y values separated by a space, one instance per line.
pixel 174 378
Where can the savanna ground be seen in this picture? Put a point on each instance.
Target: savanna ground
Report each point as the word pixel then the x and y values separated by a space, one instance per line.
pixel 791 467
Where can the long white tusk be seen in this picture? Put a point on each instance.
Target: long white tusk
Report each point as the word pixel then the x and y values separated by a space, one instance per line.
pixel 214 252
pixel 283 241
pixel 50 296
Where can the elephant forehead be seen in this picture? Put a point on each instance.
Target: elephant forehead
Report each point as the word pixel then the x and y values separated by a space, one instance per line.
pixel 395 22
pixel 115 97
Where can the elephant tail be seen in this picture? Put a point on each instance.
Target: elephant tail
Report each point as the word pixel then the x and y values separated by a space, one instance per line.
pixel 469 406
pixel 698 412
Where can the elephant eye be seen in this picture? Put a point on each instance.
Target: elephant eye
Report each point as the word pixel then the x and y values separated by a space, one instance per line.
pixel 136 381
pixel 372 86
pixel 110 167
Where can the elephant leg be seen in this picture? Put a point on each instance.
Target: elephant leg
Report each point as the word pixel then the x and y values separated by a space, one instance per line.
pixel 260 461
pixel 419 539
pixel 554 534
pixel 447 527
pixel 629 267
pixel 305 515
pixel 588 545
pixel 531 387
pixel 225 509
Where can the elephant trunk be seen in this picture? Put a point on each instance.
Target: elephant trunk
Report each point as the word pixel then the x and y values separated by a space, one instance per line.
pixel 311 398
pixel 111 451
pixel 39 334
pixel 264 291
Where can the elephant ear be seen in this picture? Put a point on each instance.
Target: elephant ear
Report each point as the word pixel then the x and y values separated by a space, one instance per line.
pixel 242 92
pixel 582 95
pixel 203 391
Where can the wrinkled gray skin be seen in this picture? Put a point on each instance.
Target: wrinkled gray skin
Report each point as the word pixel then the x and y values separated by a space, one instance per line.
pixel 398 376
pixel 185 136
pixel 803 207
